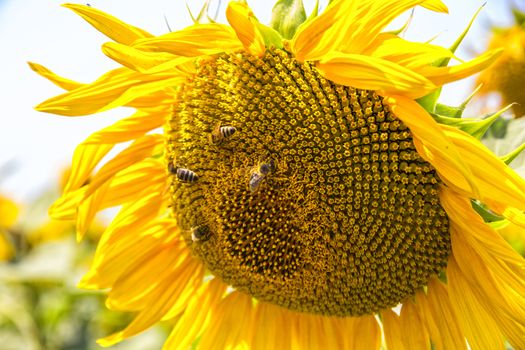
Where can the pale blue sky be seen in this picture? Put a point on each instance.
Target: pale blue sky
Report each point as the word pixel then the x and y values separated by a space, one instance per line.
pixel 43 32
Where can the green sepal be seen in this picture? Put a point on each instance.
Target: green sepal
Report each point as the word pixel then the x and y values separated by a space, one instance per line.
pixel 287 16
pixel 313 15
pixel 498 225
pixel 442 276
pixel 473 126
pixel 498 130
pixel 428 102
pixel 509 157
pixel 486 214
pixel 462 36
pixel 203 16
pixel 455 112
pixel 519 17
pixel 271 37
pixel 315 11
pixel 449 111
pixel 403 27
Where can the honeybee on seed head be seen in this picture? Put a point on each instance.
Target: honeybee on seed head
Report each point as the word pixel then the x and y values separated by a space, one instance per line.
pixel 183 174
pixel 221 133
pixel 200 233
pixel 259 173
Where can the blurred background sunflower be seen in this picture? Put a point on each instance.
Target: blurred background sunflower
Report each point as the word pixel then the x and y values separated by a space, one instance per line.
pixel 505 78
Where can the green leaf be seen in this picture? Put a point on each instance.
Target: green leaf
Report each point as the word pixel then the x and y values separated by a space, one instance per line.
pixel 287 16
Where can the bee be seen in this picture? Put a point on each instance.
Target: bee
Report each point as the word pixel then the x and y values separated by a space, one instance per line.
pixel 183 174
pixel 259 173
pixel 200 233
pixel 221 133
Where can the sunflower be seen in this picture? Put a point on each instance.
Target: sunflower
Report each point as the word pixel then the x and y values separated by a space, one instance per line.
pixel 506 76
pixel 298 192
pixel 9 211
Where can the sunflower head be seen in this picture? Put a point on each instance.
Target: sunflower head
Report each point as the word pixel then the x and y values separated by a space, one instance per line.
pixel 296 186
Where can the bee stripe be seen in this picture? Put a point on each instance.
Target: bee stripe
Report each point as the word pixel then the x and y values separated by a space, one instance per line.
pixel 186 175
pixel 227 131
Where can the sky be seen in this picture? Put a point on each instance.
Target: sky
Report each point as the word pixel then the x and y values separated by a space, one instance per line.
pixel 35 147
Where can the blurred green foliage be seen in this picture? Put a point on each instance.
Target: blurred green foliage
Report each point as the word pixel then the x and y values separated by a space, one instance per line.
pixel 40 306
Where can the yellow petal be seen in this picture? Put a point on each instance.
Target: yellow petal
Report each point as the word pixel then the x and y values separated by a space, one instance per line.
pixel 143 89
pixel 435 5
pixel 314 38
pixel 513 215
pixel 234 313
pixel 411 55
pixel 443 75
pixel 243 21
pixel 392 330
pixel 349 26
pixel 368 21
pixel 142 148
pixel 64 83
pixel 332 332
pixel 432 144
pixel 415 335
pixel 496 181
pixel 65 207
pixel 198 272
pixel 148 176
pixel 495 292
pixel 134 215
pixel 189 41
pixel 115 255
pixel 108 25
pixel 9 211
pixel 482 237
pixel 367 326
pixel 88 209
pixel 7 250
pixel 300 329
pixel 181 66
pixel 159 304
pixel 142 280
pixel 479 327
pixel 271 324
pixel 370 73
pixel 437 313
pixel 135 59
pixel 198 315
pixel 85 159
pixel 129 128
pixel 108 91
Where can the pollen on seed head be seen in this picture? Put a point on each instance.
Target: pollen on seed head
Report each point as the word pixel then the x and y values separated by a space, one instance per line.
pixel 348 223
